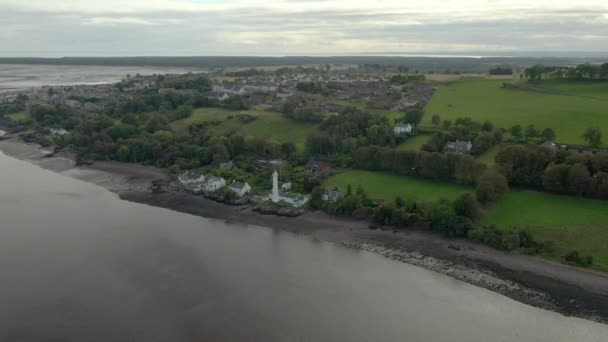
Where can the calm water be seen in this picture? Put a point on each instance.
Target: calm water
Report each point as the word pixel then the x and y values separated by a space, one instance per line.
pixel 78 264
pixel 13 77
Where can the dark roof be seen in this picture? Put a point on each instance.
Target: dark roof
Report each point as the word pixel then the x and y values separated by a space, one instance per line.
pixel 317 165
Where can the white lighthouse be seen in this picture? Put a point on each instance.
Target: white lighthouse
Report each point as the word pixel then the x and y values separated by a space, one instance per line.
pixel 275 187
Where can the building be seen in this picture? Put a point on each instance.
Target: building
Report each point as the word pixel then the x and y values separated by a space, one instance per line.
pixel 459 146
pixel 403 128
pixel 59 131
pixel 286 186
pixel 277 197
pixel 227 165
pixel 317 167
pixel 240 189
pixel 190 177
pixel 332 196
pixel 549 144
pixel 214 184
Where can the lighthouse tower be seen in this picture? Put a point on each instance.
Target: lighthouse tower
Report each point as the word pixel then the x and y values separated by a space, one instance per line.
pixel 275 187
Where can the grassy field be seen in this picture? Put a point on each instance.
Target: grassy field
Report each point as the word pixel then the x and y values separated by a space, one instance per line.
pixel 270 125
pixel 19 117
pixel 488 157
pixel 414 143
pixel 386 186
pixel 567 107
pixel 571 223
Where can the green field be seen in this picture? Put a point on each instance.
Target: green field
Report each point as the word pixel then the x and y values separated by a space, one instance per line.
pixel 489 156
pixel 414 143
pixel 270 125
pixel 19 117
pixel 569 107
pixel 572 223
pixel 387 186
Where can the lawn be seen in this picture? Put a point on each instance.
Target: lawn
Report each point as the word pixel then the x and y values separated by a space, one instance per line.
pixel 387 186
pixel 572 223
pixel 569 107
pixel 414 143
pixel 270 125
pixel 18 117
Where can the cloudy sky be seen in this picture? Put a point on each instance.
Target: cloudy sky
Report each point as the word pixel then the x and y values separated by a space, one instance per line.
pixel 53 28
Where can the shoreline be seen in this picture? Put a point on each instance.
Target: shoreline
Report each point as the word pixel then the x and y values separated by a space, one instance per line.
pixel 555 287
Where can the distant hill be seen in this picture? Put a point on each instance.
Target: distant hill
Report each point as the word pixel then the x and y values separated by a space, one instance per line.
pixel 422 64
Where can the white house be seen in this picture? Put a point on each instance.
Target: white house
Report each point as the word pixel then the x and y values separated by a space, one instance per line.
pixel 59 131
pixel 459 146
pixel 214 184
pixel 332 196
pixel 240 189
pixel 402 128
pixel 286 186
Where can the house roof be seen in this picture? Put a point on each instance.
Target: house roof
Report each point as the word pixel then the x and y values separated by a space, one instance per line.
pixel 334 193
pixel 238 185
pixel 459 145
pixel 319 165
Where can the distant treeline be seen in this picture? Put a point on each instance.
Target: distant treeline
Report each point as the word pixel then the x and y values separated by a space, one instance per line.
pixel 423 64
pixel 586 71
pixel 501 70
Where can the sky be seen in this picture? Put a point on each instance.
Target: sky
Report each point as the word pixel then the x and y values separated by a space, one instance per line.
pixel 55 28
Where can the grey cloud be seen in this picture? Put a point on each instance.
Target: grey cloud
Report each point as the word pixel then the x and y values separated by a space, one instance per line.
pixel 257 31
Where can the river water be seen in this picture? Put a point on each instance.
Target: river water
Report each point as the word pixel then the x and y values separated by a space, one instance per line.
pixel 79 264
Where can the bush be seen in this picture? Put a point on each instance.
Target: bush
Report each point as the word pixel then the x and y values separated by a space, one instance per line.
pixel 578 259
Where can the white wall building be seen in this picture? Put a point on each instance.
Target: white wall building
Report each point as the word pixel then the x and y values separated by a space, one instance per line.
pixel 240 189
pixel 214 184
pixel 402 128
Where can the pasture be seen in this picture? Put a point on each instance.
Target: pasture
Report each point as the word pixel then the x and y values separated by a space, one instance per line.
pixel 387 186
pixel 569 107
pixel 571 223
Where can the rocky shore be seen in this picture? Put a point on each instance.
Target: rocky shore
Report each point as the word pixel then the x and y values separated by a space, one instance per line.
pixel 526 279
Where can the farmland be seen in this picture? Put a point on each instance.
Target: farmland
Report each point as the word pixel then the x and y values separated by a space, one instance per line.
pixel 567 107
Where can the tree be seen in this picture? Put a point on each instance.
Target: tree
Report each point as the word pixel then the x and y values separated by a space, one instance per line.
pixel 515 131
pixel 555 178
pixel 580 182
pixel 436 120
pixel 414 116
pixel 466 205
pixel 531 132
pixel 487 126
pixel 593 135
pixel 447 124
pixel 124 153
pixel 491 186
pixel 548 134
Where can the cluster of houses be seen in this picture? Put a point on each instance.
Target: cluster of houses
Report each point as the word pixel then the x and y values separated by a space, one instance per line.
pixel 280 193
pixel 199 184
